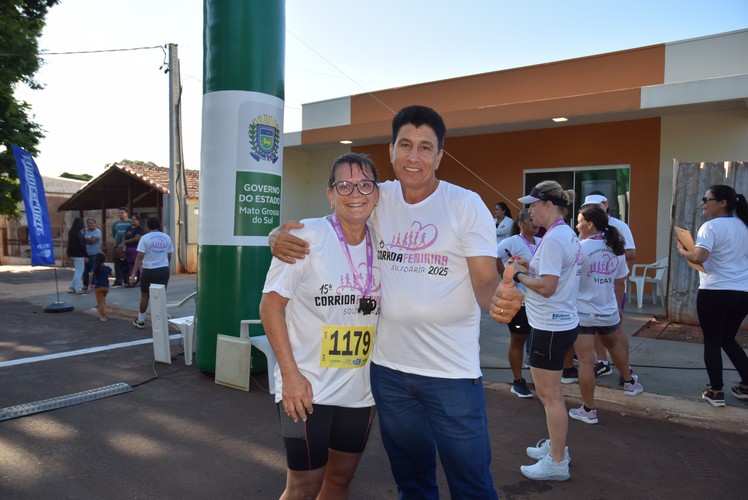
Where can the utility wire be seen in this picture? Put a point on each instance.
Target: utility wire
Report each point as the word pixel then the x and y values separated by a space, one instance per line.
pixel 44 54
pixel 370 94
pixel 98 51
pixel 343 73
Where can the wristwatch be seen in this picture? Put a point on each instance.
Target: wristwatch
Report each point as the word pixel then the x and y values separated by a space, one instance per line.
pixel 516 276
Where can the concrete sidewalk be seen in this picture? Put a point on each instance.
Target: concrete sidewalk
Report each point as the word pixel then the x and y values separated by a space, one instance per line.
pixel 179 435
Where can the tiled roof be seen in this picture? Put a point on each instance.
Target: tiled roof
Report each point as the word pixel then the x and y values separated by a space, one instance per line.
pixel 158 177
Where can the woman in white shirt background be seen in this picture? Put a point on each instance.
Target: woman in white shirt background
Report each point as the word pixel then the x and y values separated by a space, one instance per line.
pixel 722 300
pixel 521 244
pixel 602 278
pixel 502 215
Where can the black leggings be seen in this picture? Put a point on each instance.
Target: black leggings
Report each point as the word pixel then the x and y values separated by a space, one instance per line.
pixel 720 314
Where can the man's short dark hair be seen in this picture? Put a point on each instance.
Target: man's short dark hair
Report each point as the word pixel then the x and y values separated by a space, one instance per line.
pixel 419 115
pixel 153 223
pixel 125 209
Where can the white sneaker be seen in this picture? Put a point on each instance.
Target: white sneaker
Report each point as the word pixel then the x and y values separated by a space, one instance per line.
pixel 543 448
pixel 633 389
pixel 588 417
pixel 547 469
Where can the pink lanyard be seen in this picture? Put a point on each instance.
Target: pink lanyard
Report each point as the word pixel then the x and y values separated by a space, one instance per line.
pixel 369 258
pixel 529 246
pixel 557 223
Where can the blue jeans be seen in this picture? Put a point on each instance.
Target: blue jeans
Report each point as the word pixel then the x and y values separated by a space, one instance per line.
pixel 419 415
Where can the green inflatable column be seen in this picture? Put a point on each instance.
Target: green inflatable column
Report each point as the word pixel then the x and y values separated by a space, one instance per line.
pixel 241 163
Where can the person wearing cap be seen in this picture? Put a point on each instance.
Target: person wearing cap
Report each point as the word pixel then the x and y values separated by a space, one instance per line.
pixel 551 280
pixel 597 199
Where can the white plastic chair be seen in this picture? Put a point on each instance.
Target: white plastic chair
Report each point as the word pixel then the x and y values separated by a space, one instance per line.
pixel 262 343
pixel 186 326
pixel 654 274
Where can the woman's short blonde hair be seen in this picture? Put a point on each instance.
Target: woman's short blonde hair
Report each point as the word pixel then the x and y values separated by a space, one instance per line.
pixel 555 189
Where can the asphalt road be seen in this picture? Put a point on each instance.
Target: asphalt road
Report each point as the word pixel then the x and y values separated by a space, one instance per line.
pixel 179 435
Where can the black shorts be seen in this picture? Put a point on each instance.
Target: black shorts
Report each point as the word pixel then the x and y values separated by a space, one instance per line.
pixel 328 428
pixel 602 330
pixel 157 276
pixel 519 323
pixel 548 349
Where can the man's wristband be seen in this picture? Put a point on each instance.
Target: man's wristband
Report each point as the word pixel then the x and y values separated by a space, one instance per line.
pixel 516 276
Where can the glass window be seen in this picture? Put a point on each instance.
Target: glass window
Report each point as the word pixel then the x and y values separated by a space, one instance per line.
pixel 613 181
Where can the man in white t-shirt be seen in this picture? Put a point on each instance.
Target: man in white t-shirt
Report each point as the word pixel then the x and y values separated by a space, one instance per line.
pixel 437 254
pixel 154 255
pixel 596 198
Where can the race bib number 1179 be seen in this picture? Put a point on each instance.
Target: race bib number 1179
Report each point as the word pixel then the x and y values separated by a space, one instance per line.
pixel 345 346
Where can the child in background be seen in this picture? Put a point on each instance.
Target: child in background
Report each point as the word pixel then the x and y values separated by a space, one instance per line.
pixel 99 280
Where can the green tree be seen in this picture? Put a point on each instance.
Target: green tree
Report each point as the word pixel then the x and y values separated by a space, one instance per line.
pixel 21 25
pixel 77 177
pixel 137 162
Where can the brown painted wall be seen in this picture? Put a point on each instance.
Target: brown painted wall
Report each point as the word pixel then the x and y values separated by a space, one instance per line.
pixel 585 86
pixel 500 159
pixel 630 69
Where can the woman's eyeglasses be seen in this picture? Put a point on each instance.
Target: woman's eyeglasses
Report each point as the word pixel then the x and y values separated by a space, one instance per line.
pixel 345 188
pixel 706 200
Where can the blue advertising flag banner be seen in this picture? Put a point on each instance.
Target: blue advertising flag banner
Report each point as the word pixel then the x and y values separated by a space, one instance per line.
pixel 40 233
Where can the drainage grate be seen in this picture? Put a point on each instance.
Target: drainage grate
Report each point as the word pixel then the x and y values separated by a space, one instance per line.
pixel 25 409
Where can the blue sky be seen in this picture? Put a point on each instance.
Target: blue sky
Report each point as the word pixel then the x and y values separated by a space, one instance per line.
pixel 101 108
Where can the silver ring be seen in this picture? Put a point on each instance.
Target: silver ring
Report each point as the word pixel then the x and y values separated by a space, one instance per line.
pixel 501 312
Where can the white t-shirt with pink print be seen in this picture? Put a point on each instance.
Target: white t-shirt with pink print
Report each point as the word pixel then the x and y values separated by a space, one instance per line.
pixel 596 301
pixel 430 322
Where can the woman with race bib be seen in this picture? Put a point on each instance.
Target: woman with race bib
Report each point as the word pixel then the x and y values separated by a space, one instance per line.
pixel 320 317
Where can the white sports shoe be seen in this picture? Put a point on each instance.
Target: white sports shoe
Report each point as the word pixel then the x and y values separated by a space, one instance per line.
pixel 547 469
pixel 543 448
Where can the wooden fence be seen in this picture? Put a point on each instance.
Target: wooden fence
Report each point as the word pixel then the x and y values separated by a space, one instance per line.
pixel 690 182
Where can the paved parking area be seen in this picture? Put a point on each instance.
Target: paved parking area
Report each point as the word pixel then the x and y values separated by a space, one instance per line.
pixel 179 435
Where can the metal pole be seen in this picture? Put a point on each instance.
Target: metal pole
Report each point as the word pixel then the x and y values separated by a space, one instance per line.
pixel 172 202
